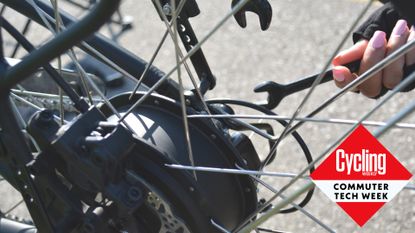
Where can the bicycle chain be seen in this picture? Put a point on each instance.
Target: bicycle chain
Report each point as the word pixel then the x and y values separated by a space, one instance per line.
pixel 51 103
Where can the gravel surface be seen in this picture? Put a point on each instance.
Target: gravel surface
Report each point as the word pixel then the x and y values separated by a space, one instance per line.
pixel 303 35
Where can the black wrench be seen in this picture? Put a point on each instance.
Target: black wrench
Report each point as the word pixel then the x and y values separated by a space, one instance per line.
pixel 260 7
pixel 277 92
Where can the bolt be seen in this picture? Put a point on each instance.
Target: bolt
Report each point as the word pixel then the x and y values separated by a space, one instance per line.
pixel 167 10
pixel 45 116
pixel 134 194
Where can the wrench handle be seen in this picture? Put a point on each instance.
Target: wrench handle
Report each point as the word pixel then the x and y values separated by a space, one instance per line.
pixel 307 82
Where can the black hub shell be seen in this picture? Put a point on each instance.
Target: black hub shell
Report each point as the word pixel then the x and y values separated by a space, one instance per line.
pixel 225 198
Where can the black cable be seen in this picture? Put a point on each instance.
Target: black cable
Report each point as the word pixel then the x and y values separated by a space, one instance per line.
pixel 295 134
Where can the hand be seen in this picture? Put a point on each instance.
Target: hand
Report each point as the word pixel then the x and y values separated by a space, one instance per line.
pixel 371 52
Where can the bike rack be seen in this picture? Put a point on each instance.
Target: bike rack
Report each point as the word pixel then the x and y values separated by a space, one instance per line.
pixel 62 42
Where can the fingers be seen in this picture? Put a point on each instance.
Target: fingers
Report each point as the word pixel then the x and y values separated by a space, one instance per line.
pixel 393 73
pixel 410 56
pixel 342 75
pixel 373 54
pixel 352 54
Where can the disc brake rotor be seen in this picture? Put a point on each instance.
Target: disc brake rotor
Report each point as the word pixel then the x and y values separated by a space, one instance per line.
pixel 169 221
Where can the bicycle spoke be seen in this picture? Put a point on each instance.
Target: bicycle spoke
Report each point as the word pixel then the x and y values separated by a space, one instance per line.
pixel 395 119
pixel 82 72
pixel 187 56
pixel 43 95
pixel 189 72
pixel 276 208
pixel 259 229
pixel 87 47
pixel 163 39
pixel 18 115
pixel 362 78
pixel 219 227
pixel 305 119
pixel 299 208
pixel 26 102
pixel 249 172
pixel 32 105
pixel 387 97
pixel 318 80
pixel 410 187
pixel 181 89
pixel 57 29
pixel 149 64
pixel 228 170
pixel 247 126
pixel 60 26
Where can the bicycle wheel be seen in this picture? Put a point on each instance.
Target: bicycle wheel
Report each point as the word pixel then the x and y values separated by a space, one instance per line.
pixel 310 130
pixel 243 66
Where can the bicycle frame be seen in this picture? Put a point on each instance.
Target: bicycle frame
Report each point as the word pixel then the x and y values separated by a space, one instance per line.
pixel 15 151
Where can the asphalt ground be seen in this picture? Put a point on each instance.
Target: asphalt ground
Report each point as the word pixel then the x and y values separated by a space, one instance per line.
pixel 302 36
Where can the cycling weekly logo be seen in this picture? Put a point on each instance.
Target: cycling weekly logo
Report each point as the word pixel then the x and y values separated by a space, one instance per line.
pixel 361 175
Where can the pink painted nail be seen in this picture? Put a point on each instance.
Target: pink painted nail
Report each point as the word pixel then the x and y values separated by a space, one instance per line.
pixel 400 28
pixel 378 40
pixel 338 75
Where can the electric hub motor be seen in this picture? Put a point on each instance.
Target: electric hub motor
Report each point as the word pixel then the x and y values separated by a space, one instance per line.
pixel 226 199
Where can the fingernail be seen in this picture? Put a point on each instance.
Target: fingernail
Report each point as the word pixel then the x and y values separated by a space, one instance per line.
pixel 378 40
pixel 412 34
pixel 335 60
pixel 338 75
pixel 400 28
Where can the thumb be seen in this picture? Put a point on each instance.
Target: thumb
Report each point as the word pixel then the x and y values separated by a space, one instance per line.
pixel 342 76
